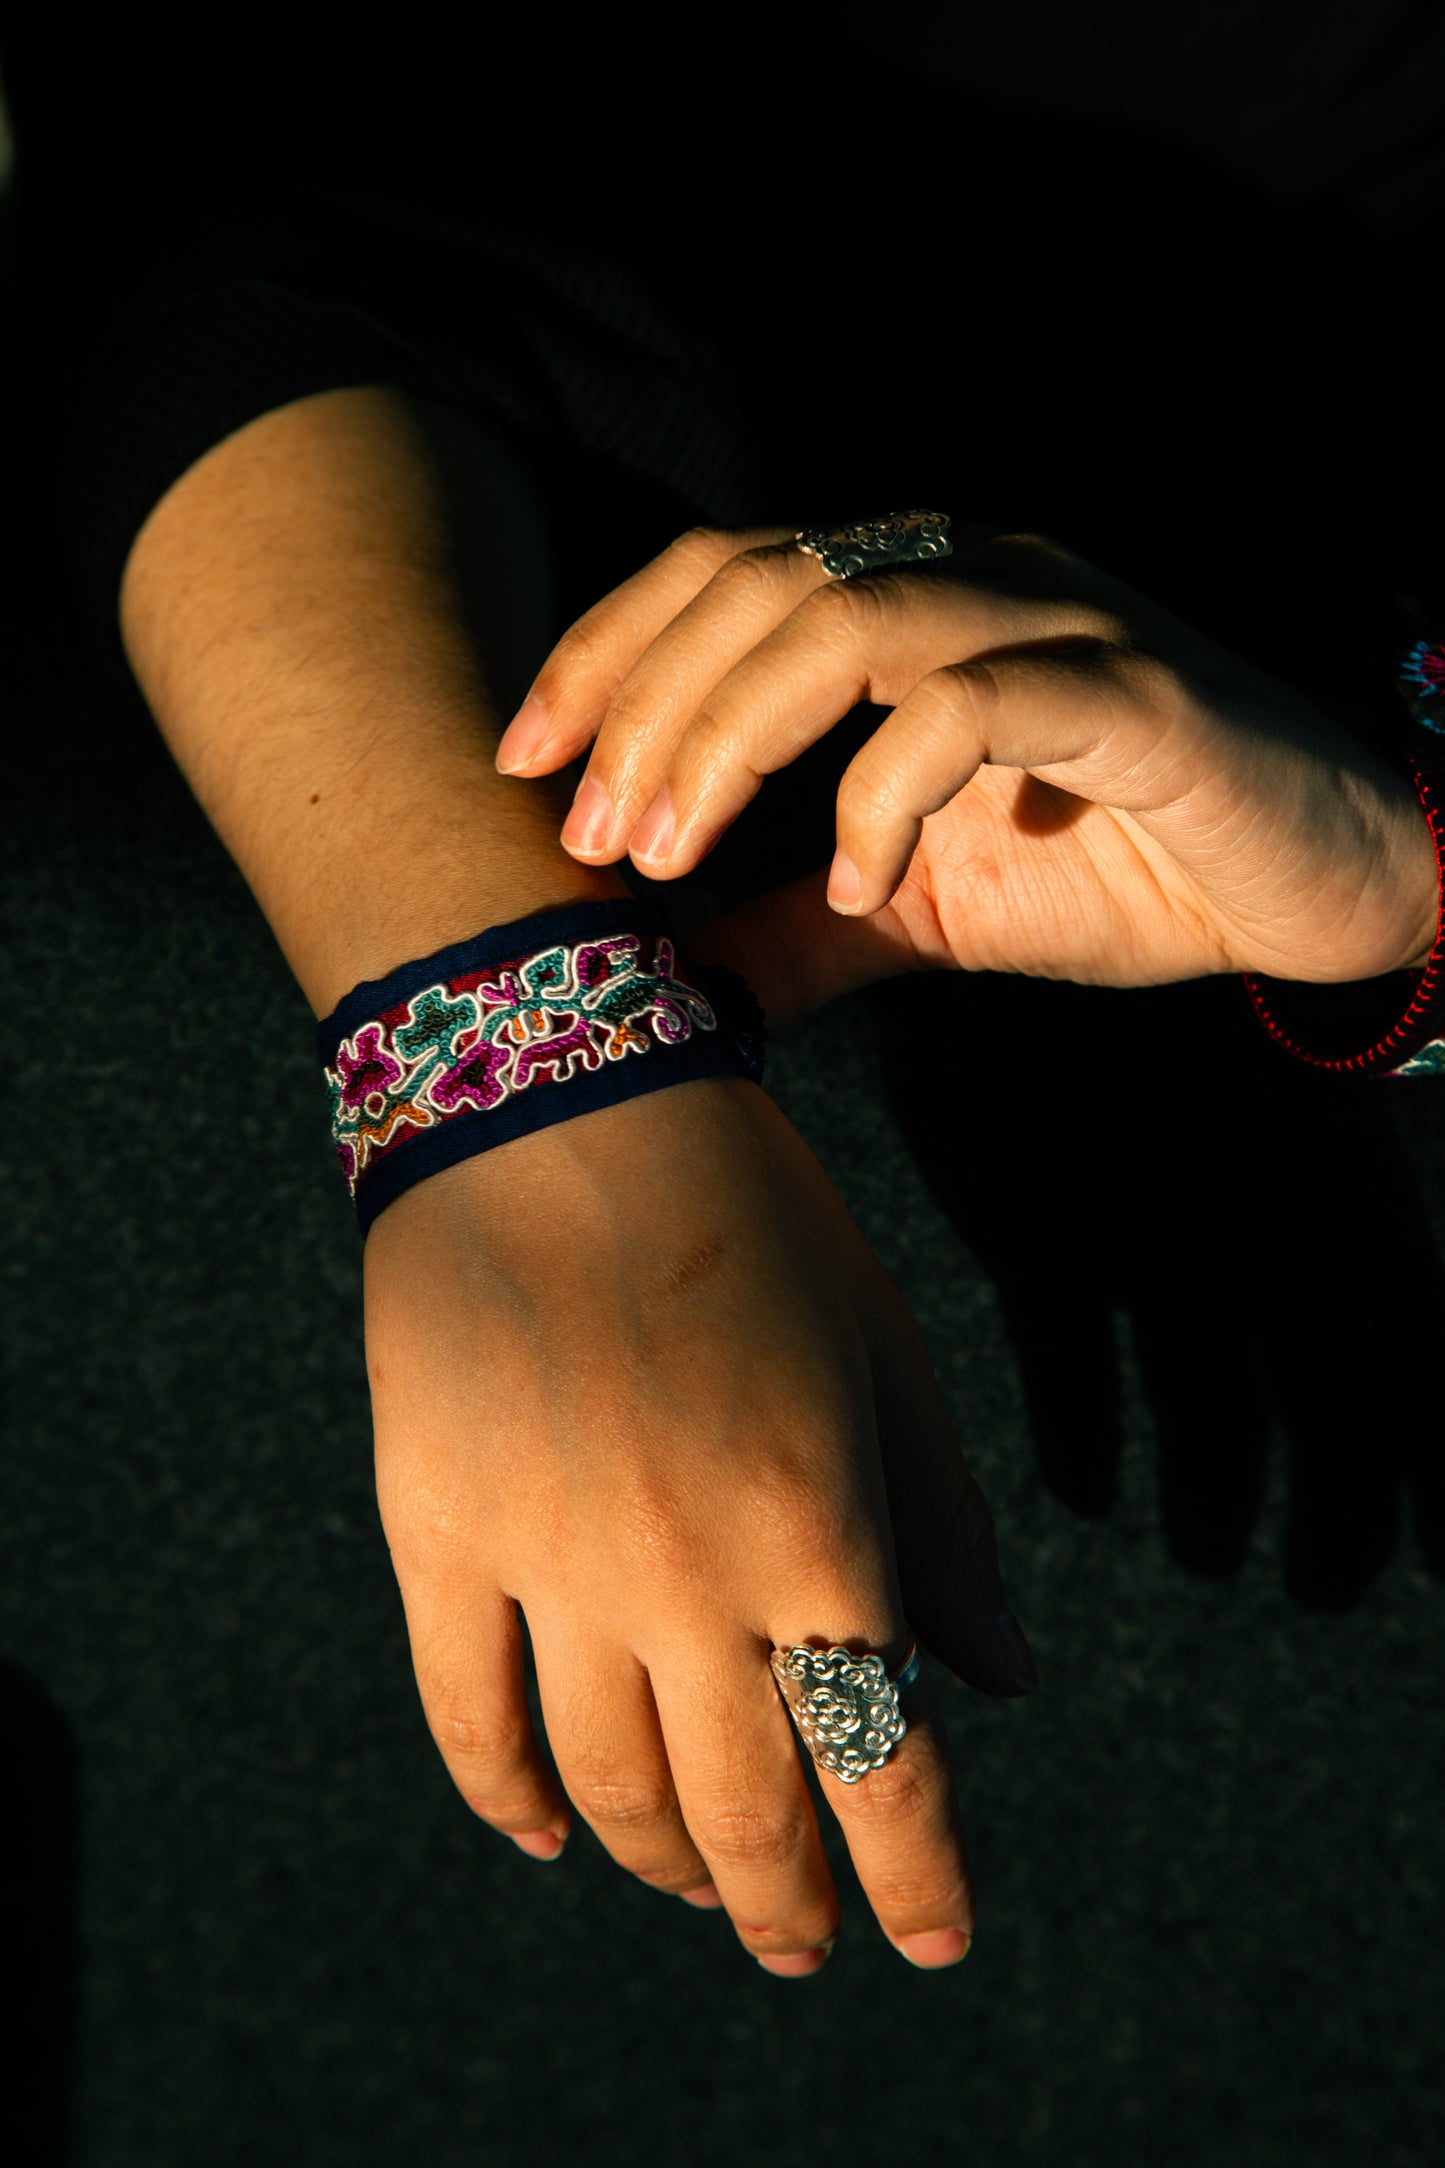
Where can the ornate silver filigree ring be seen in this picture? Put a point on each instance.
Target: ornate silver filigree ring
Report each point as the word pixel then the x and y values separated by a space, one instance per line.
pixel 845 1706
pixel 903 538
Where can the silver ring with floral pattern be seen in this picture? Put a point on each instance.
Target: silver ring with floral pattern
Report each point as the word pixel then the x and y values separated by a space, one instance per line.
pixel 871 545
pixel 845 1706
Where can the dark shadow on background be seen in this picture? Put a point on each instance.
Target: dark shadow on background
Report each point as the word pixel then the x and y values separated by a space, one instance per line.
pixel 38 1924
pixel 38 1911
pixel 1149 1155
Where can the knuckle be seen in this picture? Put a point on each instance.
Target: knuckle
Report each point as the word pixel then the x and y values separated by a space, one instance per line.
pixel 1148 681
pixel 675 1554
pixel 777 1938
pixel 621 1809
pixel 793 1505
pixel 500 1743
pixel 1099 648
pixel 672 1876
pixel 629 721
pixel 656 1531
pixel 796 1507
pixel 582 642
pixel 901 1793
pixel 749 1837
pixel 845 608
pixel 513 1808
pixel 1096 640
pixel 582 651
pixel 840 1555
pixel 706 733
pixel 433 1504
pixel 973 685
pixel 750 570
pixel 869 794
pixel 754 569
pixel 1109 630
pixel 924 1899
pixel 703 546
pixel 432 1532
pixel 711 751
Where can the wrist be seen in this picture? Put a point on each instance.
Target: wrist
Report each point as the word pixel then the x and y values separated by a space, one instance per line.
pixel 1394 1040
pixel 415 892
pixel 522 1027
pixel 1418 881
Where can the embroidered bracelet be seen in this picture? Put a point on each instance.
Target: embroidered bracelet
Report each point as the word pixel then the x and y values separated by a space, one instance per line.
pixel 1319 1029
pixel 525 1025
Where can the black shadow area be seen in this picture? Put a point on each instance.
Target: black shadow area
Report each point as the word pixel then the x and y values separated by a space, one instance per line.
pixel 1149 1154
pixel 38 1924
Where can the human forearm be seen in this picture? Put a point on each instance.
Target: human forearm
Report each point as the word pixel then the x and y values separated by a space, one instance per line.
pixel 293 619
pixel 634 1374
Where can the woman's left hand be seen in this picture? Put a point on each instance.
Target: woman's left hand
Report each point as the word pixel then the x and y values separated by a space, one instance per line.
pixel 1072 783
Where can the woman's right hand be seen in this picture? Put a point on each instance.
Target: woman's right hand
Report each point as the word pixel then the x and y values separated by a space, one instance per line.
pixel 640 1375
pixel 1070 783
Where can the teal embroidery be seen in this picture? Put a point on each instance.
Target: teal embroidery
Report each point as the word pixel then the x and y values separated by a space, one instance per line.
pixel 1429 1060
pixel 436 1021
pixel 457 1049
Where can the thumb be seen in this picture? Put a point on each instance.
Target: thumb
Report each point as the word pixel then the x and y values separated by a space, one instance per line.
pixel 943 1530
pixel 797 953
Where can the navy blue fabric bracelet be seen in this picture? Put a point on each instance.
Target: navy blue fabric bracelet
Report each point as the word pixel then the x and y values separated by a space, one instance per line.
pixel 525 1025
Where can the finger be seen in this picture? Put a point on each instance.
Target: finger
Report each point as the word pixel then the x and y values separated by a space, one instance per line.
pixel 847 641
pixel 470 1669
pixel 603 1727
pixel 747 598
pixel 571 692
pixel 905 1837
pixel 918 759
pixel 901 1820
pixel 943 1528
pixel 746 1802
pixel 670 661
pixel 1078 715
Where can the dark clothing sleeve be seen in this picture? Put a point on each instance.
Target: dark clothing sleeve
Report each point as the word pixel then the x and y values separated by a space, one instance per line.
pixel 186 267
pixel 780 279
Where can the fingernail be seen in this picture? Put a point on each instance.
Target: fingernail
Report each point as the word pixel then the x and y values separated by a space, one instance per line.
pixel 524 736
pixel 706 1899
pixel 938 1947
pixel 1014 1651
pixel 652 837
pixel 798 1968
pixel 540 1843
pixel 589 823
pixel 845 883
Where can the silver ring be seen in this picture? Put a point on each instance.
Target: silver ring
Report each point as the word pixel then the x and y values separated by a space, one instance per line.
pixel 845 1706
pixel 903 538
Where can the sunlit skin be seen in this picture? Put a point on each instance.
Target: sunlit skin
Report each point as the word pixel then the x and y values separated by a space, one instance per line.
pixel 1071 783
pixel 638 1374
